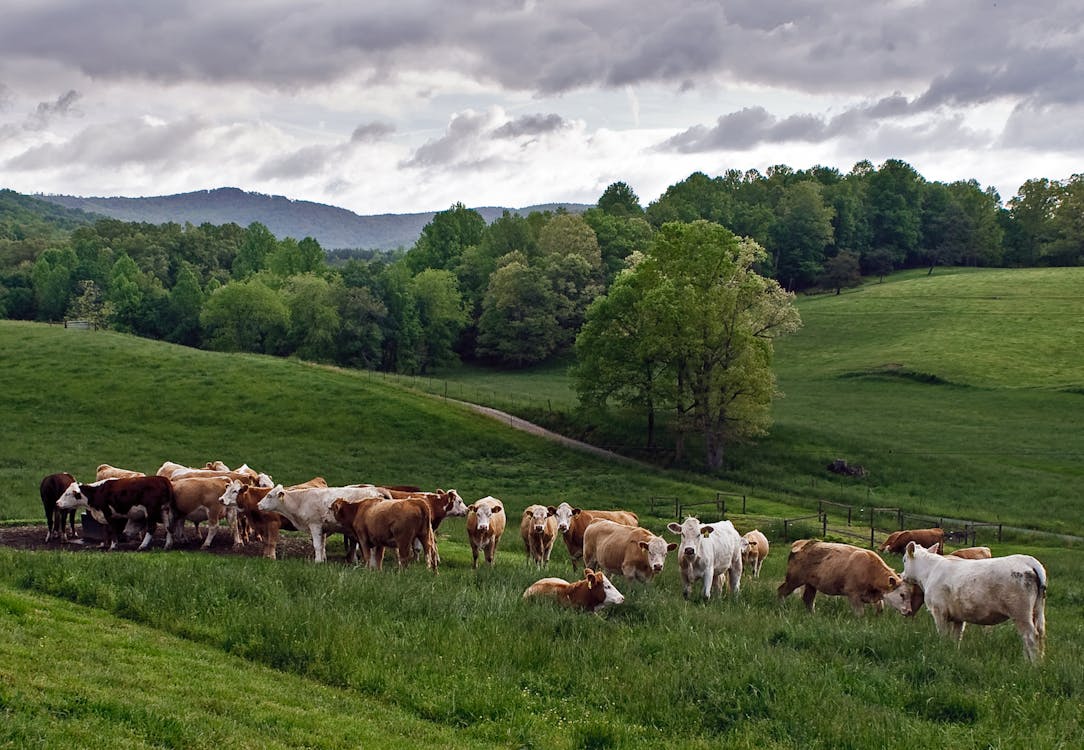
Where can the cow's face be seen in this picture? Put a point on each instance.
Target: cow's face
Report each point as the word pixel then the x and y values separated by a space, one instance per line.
pixel 907 599
pixel 692 534
pixel 538 516
pixel 453 503
pixel 273 499
pixel 72 497
pixel 216 466
pixel 599 583
pixel 749 549
pixel 264 480
pixel 484 511
pixel 563 513
pixel 655 551
pixel 233 491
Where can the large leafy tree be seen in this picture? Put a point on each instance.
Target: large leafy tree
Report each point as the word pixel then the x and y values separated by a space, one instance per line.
pixel 314 317
pixel 894 197
pixel 705 312
pixel 246 316
pixel 441 314
pixel 53 282
pixel 801 233
pixel 618 199
pixel 257 245
pixel 519 314
pixel 184 307
pixel 444 239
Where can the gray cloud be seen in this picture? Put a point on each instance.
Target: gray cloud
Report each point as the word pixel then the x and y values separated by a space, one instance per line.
pixel 47 111
pixel 304 162
pixel 454 147
pixel 371 132
pixel 531 125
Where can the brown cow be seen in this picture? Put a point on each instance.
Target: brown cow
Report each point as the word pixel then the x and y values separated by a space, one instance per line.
pixel 754 549
pixel 538 529
pixel 265 524
pixel 114 499
pixel 199 499
pixel 630 551
pixel 51 488
pixel 486 520
pixel 897 541
pixel 105 471
pixel 972 553
pixel 378 523
pixel 571 523
pixel 592 592
pixel 838 570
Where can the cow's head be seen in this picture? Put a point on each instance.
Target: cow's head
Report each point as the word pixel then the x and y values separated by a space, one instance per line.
pixel 232 492
pixel 604 593
pixel 655 550
pixel 907 598
pixel 216 466
pixel 537 515
pixel 564 513
pixel 136 524
pixel 264 480
pixel 692 534
pixel 484 511
pixel 273 499
pixel 72 497
pixel 453 503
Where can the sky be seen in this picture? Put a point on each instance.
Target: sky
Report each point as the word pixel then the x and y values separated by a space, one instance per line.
pixel 415 105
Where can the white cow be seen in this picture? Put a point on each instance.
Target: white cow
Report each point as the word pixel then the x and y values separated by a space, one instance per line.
pixel 983 592
pixel 311 509
pixel 707 552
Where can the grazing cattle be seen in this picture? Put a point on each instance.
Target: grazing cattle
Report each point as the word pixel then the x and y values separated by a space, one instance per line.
pixel 51 488
pixel 485 524
pixel 250 519
pixel 838 569
pixel 630 551
pixel 571 523
pixel 114 499
pixel 105 471
pixel 972 553
pixel 199 499
pixel 592 592
pixel 753 551
pixel 707 552
pixel 539 531
pixel 378 523
pixel 982 592
pixel 897 541
pixel 310 510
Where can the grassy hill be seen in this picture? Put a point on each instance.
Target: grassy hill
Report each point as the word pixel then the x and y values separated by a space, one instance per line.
pixel 186 649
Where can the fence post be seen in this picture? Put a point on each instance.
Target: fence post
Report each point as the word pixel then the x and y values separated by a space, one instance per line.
pixel 899 515
pixel 999 532
pixel 785 537
pixel 824 524
pixel 849 516
pixel 743 505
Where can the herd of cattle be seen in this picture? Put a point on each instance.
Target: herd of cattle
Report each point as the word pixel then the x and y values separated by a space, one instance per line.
pixel 966 586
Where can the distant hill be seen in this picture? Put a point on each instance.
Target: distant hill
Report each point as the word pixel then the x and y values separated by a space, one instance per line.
pixel 332 227
pixel 24 215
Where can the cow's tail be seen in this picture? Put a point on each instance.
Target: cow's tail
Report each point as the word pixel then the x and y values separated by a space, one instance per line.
pixel 432 559
pixel 1038 608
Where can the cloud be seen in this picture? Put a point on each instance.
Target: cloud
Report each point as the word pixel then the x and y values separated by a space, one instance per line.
pixel 531 125
pixel 371 132
pixel 47 111
pixel 115 144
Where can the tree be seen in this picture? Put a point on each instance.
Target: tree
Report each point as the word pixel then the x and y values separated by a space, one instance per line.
pixel 89 304
pixel 125 296
pixel 245 316
pixel 1032 227
pixel 619 200
pixel 183 311
pixel 258 243
pixel 314 317
pixel 572 260
pixel 712 319
pixel 841 270
pixel 53 282
pixel 618 238
pixel 444 239
pixel 519 324
pixel 441 314
pixel 894 194
pixel 360 339
pixel 802 231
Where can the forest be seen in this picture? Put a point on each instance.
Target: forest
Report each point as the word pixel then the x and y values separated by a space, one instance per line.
pixel 514 292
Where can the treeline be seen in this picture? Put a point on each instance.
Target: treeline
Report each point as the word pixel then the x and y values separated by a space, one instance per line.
pixel 514 291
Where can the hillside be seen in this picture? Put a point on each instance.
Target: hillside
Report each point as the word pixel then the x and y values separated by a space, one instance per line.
pixel 22 216
pixel 331 226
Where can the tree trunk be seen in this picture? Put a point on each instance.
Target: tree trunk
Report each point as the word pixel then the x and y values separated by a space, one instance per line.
pixel 714 449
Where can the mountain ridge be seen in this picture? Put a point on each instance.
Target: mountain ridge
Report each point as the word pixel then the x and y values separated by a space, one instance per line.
pixel 333 227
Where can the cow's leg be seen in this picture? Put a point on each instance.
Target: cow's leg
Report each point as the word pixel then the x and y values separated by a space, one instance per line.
pixel 1026 628
pixel 491 549
pixel 270 540
pixel 857 605
pixel 734 574
pixel 809 594
pixel 50 513
pixel 212 529
pixel 316 530
pixel 474 554
pixel 405 548
pixel 708 579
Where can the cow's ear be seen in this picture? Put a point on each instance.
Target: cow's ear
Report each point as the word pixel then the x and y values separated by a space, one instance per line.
pixel 675 528
pixel 671 546
pixel 644 545
pixel 498 509
pixel 934 548
pixel 910 551
pixel 705 531
pixel 576 511
pixel 471 509
pixel 894 582
pixel 551 510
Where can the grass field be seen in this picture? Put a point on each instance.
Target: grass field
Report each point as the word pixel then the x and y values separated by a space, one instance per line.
pixel 185 649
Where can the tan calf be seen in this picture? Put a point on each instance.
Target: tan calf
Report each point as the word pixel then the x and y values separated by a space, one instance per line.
pixel 630 551
pixel 592 592
pixel 897 541
pixel 539 531
pixel 485 524
pixel 199 499
pixel 838 570
pixel 105 471
pixel 754 549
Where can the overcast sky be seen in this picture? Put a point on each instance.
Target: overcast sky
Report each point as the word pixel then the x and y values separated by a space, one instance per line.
pixel 413 105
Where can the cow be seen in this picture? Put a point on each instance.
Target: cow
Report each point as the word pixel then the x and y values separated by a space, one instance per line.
pixel 51 488
pixel 972 553
pixel 310 510
pixel 982 592
pixel 571 523
pixel 486 520
pixel 837 569
pixel 114 499
pixel 105 471
pixel 592 592
pixel 897 540
pixel 265 524
pixel 707 552
pixel 753 551
pixel 378 523
pixel 630 551
pixel 539 530
pixel 199 499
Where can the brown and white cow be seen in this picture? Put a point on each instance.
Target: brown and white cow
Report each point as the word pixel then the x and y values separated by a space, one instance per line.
pixel 51 488
pixel 837 569
pixel 897 541
pixel 571 523
pixel 114 499
pixel 982 592
pixel 629 551
pixel 538 529
pixel 754 549
pixel 310 510
pixel 378 523
pixel 265 525
pixel 105 471
pixel 592 592
pixel 486 519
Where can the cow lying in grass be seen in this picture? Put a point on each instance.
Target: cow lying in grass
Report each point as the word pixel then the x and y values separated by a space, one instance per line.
pixel 592 592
